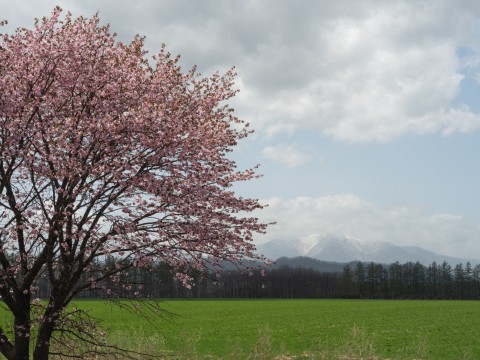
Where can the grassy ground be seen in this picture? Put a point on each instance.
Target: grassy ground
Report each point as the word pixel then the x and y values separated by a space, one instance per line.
pixel 308 329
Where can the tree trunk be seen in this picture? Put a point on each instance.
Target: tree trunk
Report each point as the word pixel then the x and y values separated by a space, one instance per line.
pixel 21 326
pixel 42 348
pixel 6 347
pixel 22 339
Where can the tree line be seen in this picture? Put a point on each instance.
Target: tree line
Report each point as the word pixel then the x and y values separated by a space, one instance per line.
pixel 357 280
pixel 412 281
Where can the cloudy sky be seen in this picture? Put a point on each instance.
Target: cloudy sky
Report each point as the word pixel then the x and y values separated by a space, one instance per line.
pixel 367 113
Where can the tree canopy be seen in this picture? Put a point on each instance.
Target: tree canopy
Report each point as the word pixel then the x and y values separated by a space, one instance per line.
pixel 105 151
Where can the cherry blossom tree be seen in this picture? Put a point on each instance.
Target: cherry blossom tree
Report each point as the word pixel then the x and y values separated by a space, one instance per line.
pixel 106 152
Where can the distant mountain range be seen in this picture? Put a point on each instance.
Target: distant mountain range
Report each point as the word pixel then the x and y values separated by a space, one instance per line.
pixel 342 249
pixel 310 263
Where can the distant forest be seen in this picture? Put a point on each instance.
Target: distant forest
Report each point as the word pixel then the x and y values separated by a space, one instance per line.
pixel 353 280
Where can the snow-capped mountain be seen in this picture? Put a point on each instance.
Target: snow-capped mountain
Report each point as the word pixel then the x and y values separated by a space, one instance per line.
pixel 341 248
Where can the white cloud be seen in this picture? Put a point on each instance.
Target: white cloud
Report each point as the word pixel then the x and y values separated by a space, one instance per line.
pixel 355 71
pixel 372 73
pixel 378 75
pixel 287 155
pixel 348 214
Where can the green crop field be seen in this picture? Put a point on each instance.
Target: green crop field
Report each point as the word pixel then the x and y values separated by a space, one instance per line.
pixel 308 329
pixel 387 329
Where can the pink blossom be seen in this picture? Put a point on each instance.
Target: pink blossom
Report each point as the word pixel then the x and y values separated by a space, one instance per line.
pixel 106 152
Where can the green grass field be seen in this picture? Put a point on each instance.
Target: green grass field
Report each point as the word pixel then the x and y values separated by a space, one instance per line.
pixel 303 328
pixel 300 329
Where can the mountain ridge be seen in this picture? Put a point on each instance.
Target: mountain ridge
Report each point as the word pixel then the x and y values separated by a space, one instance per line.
pixel 343 249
